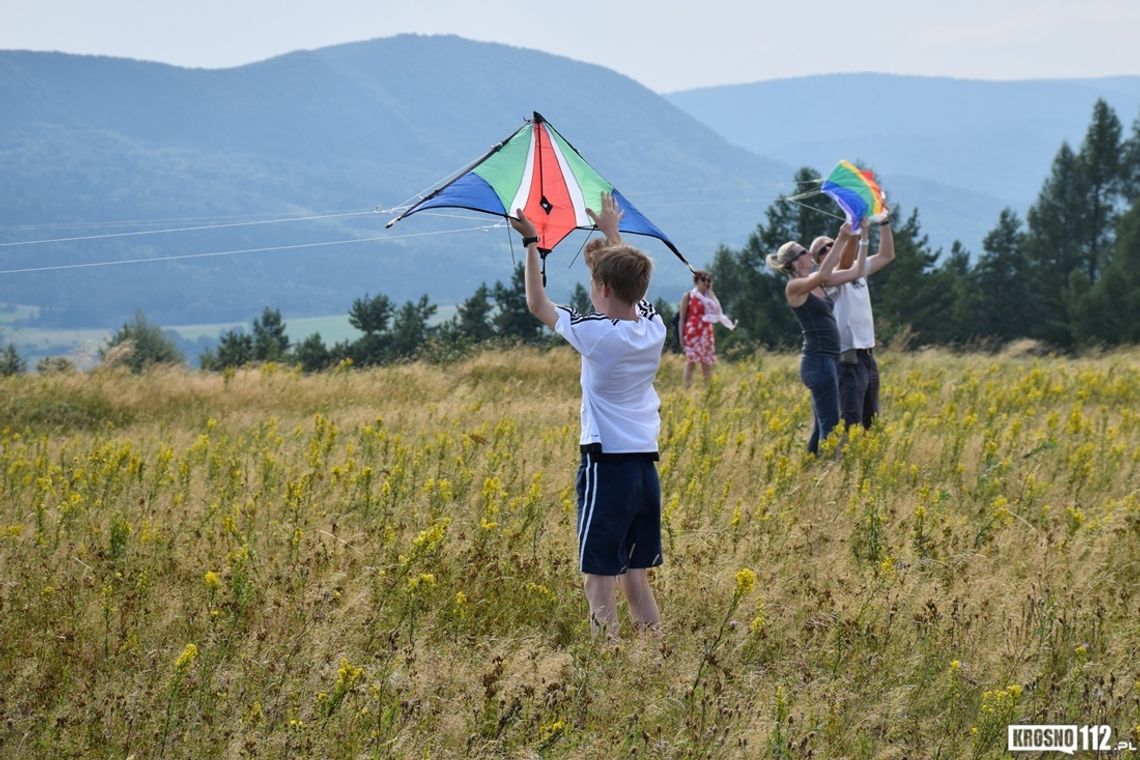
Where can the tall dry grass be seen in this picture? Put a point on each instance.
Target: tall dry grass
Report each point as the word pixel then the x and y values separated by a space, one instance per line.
pixel 382 564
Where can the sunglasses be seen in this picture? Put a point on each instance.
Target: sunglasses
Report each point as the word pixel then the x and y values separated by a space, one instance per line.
pixel 823 249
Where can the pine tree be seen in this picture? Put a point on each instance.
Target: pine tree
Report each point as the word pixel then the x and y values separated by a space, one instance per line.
pixel 410 328
pixel 913 293
pixel 270 343
pixel 312 354
pixel 139 345
pixel 11 363
pixel 953 278
pixel 1108 312
pixel 1100 162
pixel 1052 245
pixel 513 320
pixel 235 349
pixel 371 315
pixel 473 316
pixel 1130 164
pixel 1071 227
pixel 1001 295
pixel 580 300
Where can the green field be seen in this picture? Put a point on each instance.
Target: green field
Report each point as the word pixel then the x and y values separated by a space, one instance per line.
pixel 383 564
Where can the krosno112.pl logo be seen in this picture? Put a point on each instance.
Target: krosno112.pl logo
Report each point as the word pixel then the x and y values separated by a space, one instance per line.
pixel 1067 739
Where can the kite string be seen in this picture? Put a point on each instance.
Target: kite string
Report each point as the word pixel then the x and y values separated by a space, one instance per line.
pixel 248 221
pixel 160 220
pixel 583 246
pixel 511 243
pixel 178 257
pixel 802 196
pixel 448 178
pixel 196 228
pixel 813 208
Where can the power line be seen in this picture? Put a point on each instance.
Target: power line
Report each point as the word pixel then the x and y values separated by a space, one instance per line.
pixel 196 228
pixel 265 249
pixel 249 221
pixel 160 220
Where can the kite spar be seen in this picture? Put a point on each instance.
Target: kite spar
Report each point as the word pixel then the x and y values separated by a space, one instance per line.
pixel 535 169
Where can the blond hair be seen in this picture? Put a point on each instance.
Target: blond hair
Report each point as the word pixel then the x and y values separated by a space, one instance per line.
pixel 782 259
pixel 622 267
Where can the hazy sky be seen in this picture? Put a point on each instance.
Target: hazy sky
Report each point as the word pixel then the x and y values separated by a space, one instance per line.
pixel 666 45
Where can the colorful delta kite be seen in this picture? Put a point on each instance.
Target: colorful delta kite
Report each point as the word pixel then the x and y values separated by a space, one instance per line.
pixel 856 192
pixel 538 171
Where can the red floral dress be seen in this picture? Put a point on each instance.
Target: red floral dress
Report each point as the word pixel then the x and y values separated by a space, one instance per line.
pixel 697 334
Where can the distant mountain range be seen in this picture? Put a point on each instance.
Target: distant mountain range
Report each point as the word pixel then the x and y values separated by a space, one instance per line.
pixel 93 139
pixel 347 127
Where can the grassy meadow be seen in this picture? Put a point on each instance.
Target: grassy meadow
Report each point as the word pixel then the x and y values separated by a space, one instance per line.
pixel 383 564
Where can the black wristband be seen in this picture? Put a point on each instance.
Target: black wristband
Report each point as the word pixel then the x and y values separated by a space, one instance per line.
pixel 885 223
pixel 528 240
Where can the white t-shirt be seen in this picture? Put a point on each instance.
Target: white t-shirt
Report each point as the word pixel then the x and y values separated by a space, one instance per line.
pixel 620 408
pixel 852 309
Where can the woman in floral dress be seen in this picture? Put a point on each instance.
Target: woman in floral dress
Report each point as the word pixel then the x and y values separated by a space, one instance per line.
pixel 699 310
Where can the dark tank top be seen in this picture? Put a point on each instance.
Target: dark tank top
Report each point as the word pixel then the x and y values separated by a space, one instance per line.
pixel 821 334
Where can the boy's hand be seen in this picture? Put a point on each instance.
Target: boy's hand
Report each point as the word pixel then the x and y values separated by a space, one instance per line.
pixel 522 225
pixel 609 219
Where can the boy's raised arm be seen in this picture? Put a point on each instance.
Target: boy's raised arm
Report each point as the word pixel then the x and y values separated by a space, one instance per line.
pixel 536 299
pixel 609 219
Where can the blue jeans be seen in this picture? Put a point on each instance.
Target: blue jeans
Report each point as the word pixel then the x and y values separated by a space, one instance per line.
pixel 821 375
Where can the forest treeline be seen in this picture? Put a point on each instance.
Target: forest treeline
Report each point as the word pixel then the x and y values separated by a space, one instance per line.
pixel 1067 276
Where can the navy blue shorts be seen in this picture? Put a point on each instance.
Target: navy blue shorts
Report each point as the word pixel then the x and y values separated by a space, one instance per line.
pixel 619 513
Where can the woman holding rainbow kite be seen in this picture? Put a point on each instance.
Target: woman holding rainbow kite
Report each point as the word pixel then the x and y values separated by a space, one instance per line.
pixel 811 293
pixel 819 361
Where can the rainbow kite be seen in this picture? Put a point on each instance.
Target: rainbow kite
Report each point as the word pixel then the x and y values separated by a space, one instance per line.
pixel 537 170
pixel 856 192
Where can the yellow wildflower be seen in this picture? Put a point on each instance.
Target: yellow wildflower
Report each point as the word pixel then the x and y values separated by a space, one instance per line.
pixel 551 730
pixel 347 675
pixel 186 659
pixel 745 581
pixel 425 580
pixel 757 624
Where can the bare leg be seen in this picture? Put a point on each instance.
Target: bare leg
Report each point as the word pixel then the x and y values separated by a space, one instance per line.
pixel 642 604
pixel 687 375
pixel 706 370
pixel 600 593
